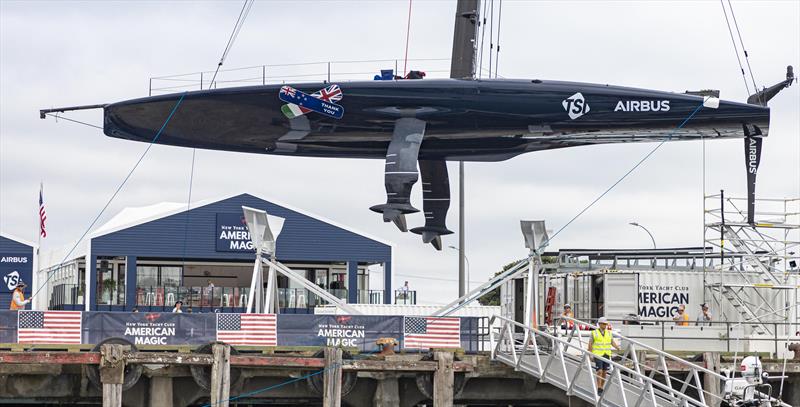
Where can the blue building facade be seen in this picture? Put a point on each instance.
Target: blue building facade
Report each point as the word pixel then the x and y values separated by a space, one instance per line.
pixel 16 264
pixel 205 253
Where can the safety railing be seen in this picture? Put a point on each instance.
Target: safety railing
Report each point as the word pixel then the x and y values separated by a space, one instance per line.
pixel 192 297
pixel 710 336
pixel 325 71
pixel 370 296
pixel 565 361
pixel 65 295
pixel 405 297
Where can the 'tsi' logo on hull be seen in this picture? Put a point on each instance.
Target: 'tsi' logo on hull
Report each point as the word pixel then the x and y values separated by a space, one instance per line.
pixel 575 106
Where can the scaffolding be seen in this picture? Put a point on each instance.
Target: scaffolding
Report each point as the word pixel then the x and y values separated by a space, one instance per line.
pixel 763 257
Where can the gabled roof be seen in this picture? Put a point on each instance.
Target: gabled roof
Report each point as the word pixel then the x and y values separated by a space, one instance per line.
pixel 133 216
pixel 16 239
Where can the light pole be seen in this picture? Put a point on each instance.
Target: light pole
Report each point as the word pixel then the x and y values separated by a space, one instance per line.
pixel 467 260
pixel 648 232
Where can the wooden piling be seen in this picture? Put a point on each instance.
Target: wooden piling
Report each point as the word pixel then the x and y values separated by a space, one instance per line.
pixel 443 380
pixel 332 378
pixel 112 374
pixel 221 375
pixel 710 383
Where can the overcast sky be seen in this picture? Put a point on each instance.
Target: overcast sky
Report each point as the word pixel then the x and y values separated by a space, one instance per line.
pixel 71 53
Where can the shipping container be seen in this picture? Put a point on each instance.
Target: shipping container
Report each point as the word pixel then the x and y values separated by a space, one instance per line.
pixel 651 295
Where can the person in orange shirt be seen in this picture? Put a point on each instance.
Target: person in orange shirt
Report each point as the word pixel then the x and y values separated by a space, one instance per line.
pixel 18 300
pixel 682 319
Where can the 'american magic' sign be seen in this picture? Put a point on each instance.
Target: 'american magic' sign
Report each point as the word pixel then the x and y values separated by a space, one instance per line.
pixel 232 233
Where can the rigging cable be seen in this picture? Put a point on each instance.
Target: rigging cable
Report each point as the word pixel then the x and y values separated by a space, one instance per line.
pixel 248 4
pixel 188 207
pixel 668 138
pixel 491 36
pixel 629 172
pixel 408 35
pixel 74 121
pixel 741 42
pixel 483 37
pixel 114 195
pixel 235 33
pixel 499 19
pixel 735 47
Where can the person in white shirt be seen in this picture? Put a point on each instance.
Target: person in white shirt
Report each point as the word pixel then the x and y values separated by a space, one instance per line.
pixel 404 291
pixel 178 306
pixel 705 317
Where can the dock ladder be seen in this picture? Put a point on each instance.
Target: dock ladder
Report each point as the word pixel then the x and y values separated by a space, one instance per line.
pixel 560 358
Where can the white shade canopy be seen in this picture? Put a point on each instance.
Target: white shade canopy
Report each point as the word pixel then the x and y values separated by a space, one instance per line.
pixel 264 229
pixel 535 234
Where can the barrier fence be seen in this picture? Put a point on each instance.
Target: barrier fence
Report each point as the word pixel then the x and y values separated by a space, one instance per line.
pixel 165 328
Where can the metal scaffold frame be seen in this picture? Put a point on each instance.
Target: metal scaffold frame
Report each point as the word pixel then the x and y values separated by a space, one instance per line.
pixel 764 255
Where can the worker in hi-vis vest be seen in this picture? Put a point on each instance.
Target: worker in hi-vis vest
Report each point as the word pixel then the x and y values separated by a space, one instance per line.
pixel 600 345
pixel 18 300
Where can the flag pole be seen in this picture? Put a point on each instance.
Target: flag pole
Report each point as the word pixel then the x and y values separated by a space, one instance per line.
pixel 38 267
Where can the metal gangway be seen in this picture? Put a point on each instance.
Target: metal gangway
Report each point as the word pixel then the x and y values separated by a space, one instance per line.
pixel 559 356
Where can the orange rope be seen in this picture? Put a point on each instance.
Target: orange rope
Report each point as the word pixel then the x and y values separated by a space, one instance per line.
pixel 408 34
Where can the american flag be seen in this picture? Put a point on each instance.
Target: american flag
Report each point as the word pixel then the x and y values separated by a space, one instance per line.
pixel 432 332
pixel 42 214
pixel 248 329
pixel 49 327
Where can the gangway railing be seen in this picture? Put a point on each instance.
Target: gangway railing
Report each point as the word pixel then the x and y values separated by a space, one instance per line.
pixel 561 358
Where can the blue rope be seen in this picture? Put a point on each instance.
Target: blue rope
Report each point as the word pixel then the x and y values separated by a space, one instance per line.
pixel 275 386
pixel 669 137
pixel 119 188
pixel 550 239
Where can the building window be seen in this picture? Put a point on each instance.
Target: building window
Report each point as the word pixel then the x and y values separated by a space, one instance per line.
pixel 146 276
pixel 158 276
pixel 171 276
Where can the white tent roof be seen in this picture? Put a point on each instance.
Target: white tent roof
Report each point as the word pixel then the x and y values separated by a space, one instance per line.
pixel 132 216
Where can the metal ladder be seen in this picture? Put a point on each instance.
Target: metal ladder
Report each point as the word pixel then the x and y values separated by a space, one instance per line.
pixel 746 310
pixel 561 358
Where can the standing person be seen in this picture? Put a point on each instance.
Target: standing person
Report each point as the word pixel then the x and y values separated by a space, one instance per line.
pixel 600 345
pixel 795 347
pixel 705 317
pixel 566 323
pixel 404 291
pixel 209 293
pixel 682 319
pixel 18 300
pixel 178 305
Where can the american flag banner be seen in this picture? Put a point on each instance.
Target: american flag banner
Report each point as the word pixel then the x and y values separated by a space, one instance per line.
pixel 431 332
pixel 49 327
pixel 248 329
pixel 42 214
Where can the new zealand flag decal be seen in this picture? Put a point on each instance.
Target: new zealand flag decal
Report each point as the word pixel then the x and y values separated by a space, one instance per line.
pixel 322 101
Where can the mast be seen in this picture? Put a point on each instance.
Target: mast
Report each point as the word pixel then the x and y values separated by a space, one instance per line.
pixel 462 66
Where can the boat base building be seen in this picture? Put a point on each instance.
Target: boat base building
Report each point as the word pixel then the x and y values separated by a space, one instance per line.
pixel 147 258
